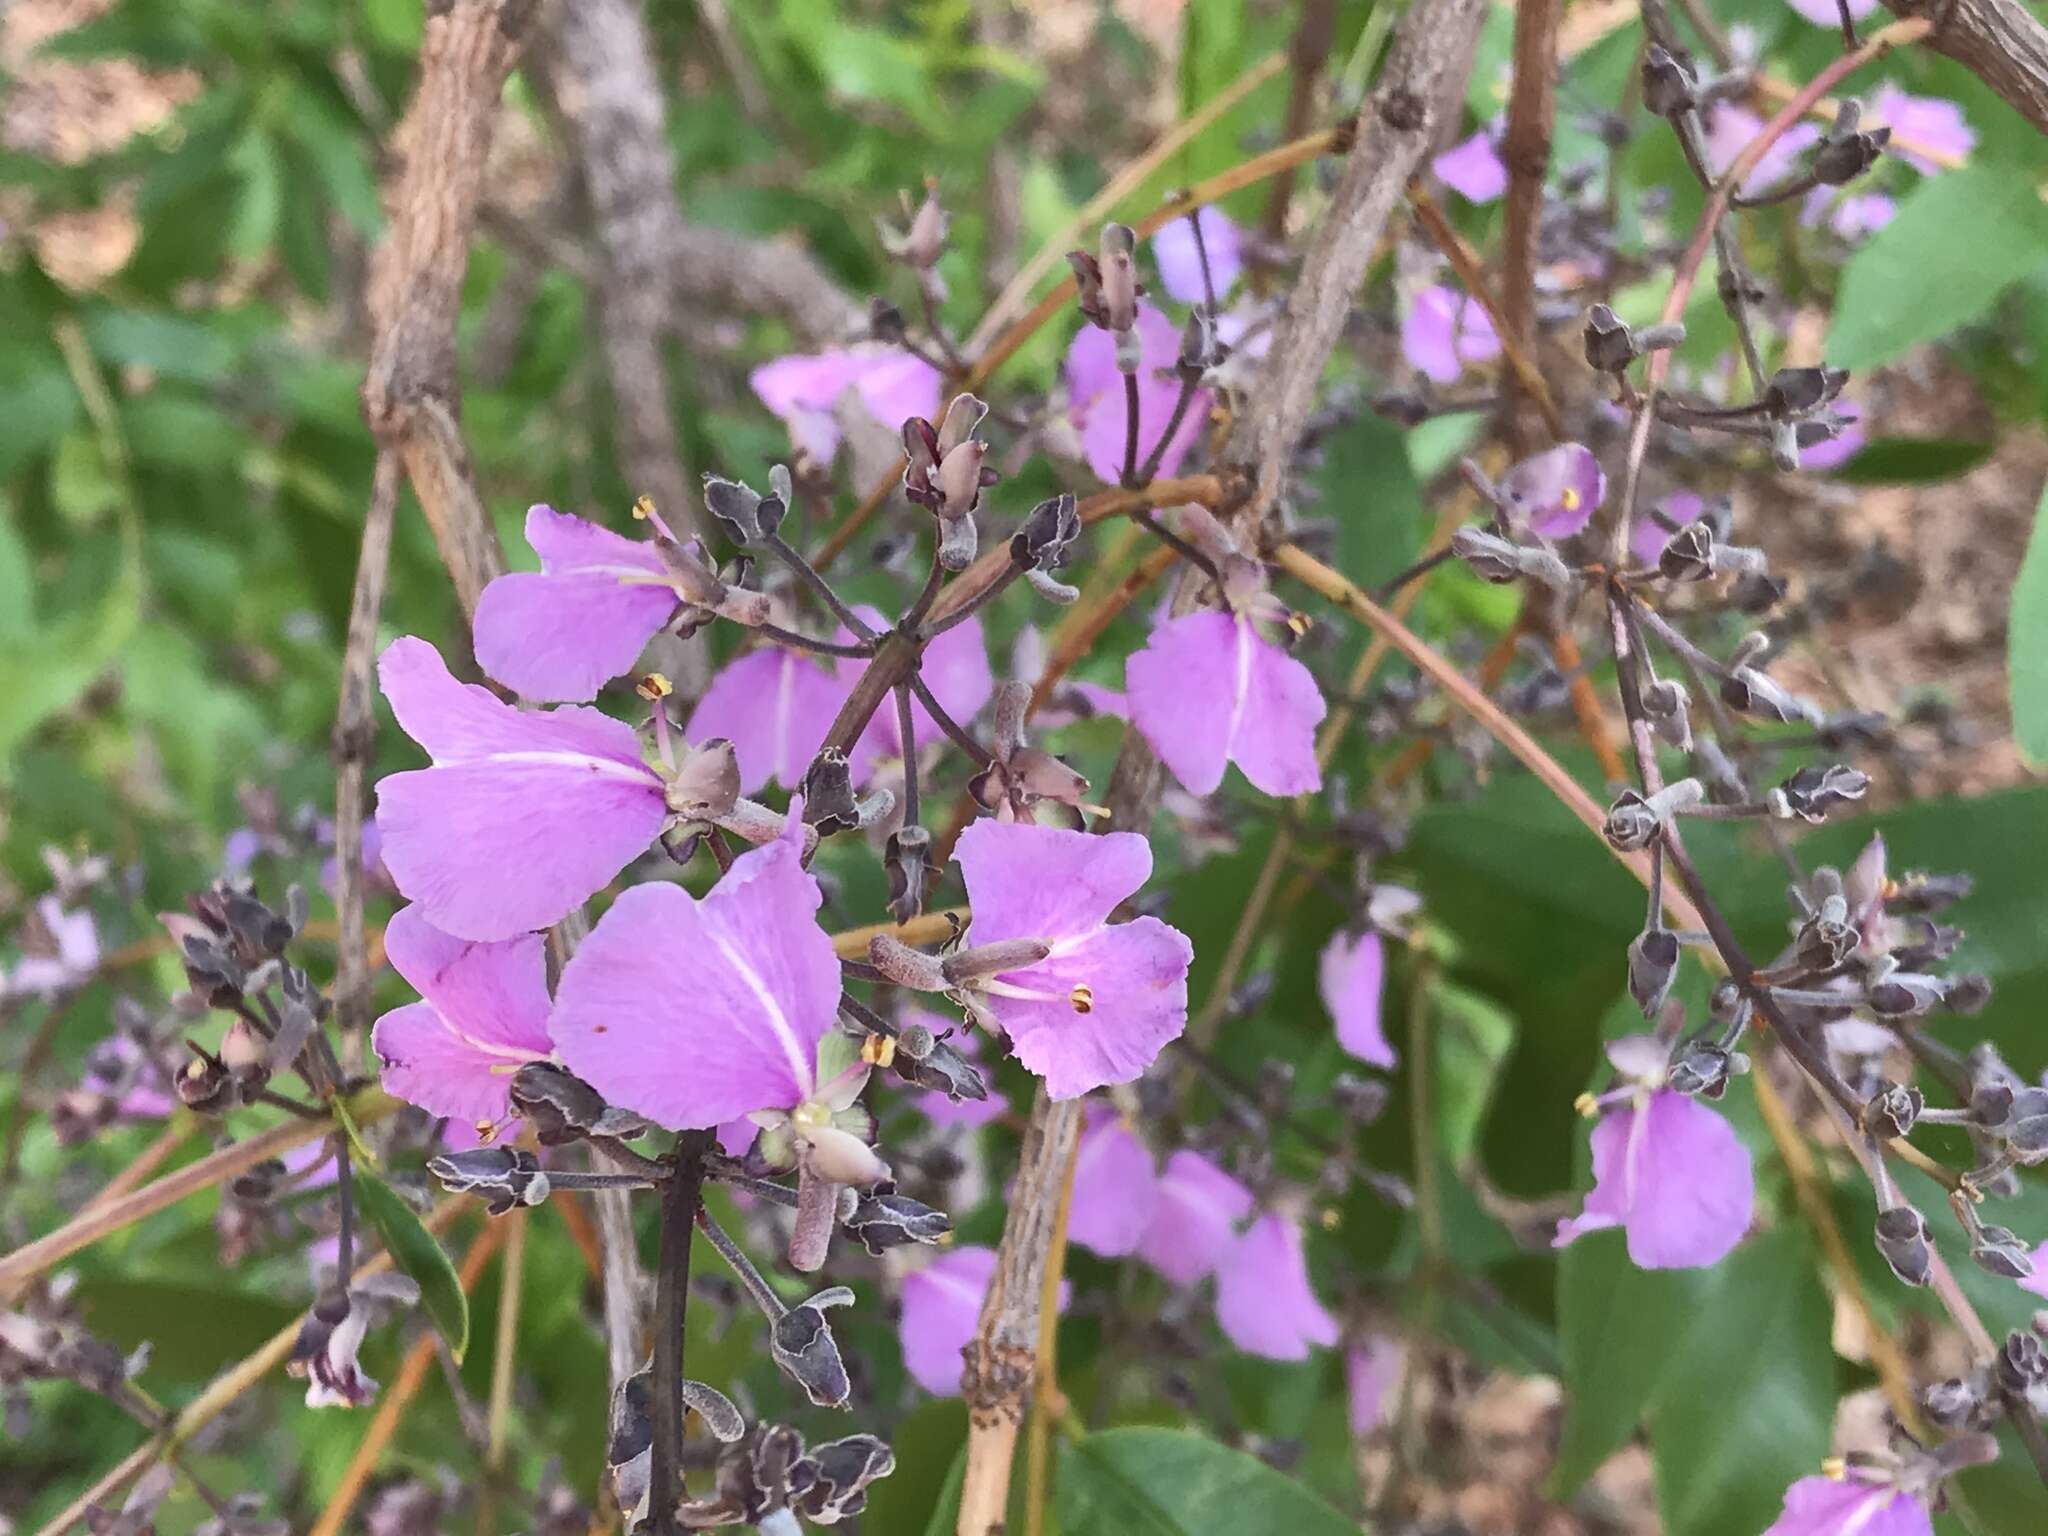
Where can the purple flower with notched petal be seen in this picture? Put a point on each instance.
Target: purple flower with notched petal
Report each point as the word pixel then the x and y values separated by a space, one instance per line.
pixel 483 1014
pixel 522 816
pixel 1180 263
pixel 1729 131
pixel 805 390
pixel 1821 1506
pixel 1194 1219
pixel 1920 124
pixel 1372 1369
pixel 774 705
pixel 1555 492
pixel 564 631
pixel 1666 1168
pixel 1443 331
pixel 1473 169
pixel 1095 397
pixel 1116 1187
pixel 941 1309
pixel 1264 1301
pixel 695 1012
pixel 72 957
pixel 1105 1001
pixel 1350 976
pixel 1208 690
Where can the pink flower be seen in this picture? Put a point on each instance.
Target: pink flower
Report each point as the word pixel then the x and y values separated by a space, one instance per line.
pixel 1820 1506
pixel 1105 1001
pixel 696 1013
pixel 1443 331
pixel 1095 397
pixel 1115 1188
pixel 522 816
pixel 1833 452
pixel 74 954
pixel 1827 13
pixel 774 705
pixel 1920 123
pixel 2037 1282
pixel 1473 169
pixel 483 1013
pixel 1194 1220
pixel 1180 264
pixel 805 389
pixel 1264 1301
pixel 1729 131
pixel 564 631
pixel 941 1308
pixel 1208 690
pixel 1852 215
pixel 1372 1369
pixel 1350 976
pixel 1555 492
pixel 1666 1169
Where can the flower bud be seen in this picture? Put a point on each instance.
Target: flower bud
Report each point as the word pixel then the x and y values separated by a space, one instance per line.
pixel 883 1219
pixel 1048 531
pixel 1752 692
pixel 1905 994
pixel 1998 1251
pixel 1610 345
pixel 1812 792
pixel 1669 89
pixel 1843 156
pixel 1703 1068
pixel 802 1344
pixel 1795 391
pixel 1952 1403
pixel 1893 1110
pixel 1652 967
pixel 907 860
pixel 1902 1242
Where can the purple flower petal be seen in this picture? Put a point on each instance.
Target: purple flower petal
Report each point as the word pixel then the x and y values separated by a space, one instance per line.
pixel 2037 1282
pixel 695 1013
pixel 563 632
pixel 1557 491
pixel 1729 131
pixel 1095 396
pixel 803 389
pixel 560 799
pixel 1372 1369
pixel 1473 169
pixel 1827 13
pixel 1180 263
pixel 774 706
pixel 1675 1176
pixel 1102 1006
pixel 941 1308
pixel 1115 1188
pixel 1194 1222
pixel 1922 122
pixel 1264 1302
pixel 484 1013
pixel 1647 539
pixel 1821 1506
pixel 1351 975
pixel 1209 689
pixel 1835 451
pixel 1444 331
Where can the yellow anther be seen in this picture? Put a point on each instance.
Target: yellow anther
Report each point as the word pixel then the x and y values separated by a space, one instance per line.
pixel 1082 997
pixel 1835 1469
pixel 486 1131
pixel 1586 1105
pixel 1330 1218
pixel 1299 623
pixel 878 1050
pixel 1570 499
pixel 654 686
pixel 643 508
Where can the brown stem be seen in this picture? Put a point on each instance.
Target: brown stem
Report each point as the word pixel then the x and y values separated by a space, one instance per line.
pixel 1532 111
pixel 2000 41
pixel 1313 35
pixel 355 734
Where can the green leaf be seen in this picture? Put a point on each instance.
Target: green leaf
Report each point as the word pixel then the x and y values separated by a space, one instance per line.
pixel 2027 643
pixel 1958 241
pixel 1748 1402
pixel 48 669
pixel 1619 1326
pixel 1913 460
pixel 414 1249
pixel 1169 1482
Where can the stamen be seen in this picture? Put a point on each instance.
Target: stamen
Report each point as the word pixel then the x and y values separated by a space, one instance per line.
pixel 1329 1218
pixel 1835 1469
pixel 486 1131
pixel 1082 998
pixel 1299 624
pixel 1570 499
pixel 878 1050
pixel 654 686
pixel 1586 1105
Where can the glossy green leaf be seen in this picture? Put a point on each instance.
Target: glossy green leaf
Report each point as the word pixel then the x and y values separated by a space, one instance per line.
pixel 2027 643
pixel 419 1254
pixel 1913 460
pixel 1747 1403
pixel 1957 242
pixel 1169 1482
pixel 1619 1327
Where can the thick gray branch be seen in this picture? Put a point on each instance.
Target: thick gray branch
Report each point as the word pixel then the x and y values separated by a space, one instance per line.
pixel 2000 41
pixel 717 269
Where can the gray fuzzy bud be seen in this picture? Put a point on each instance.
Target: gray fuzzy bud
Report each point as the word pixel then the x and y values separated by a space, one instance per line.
pixel 1902 1241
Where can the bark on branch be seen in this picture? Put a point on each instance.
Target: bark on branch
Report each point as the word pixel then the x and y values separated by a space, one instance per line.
pixel 2000 41
pixel 410 397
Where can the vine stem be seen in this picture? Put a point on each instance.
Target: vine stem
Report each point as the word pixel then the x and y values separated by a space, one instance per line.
pixel 679 1203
